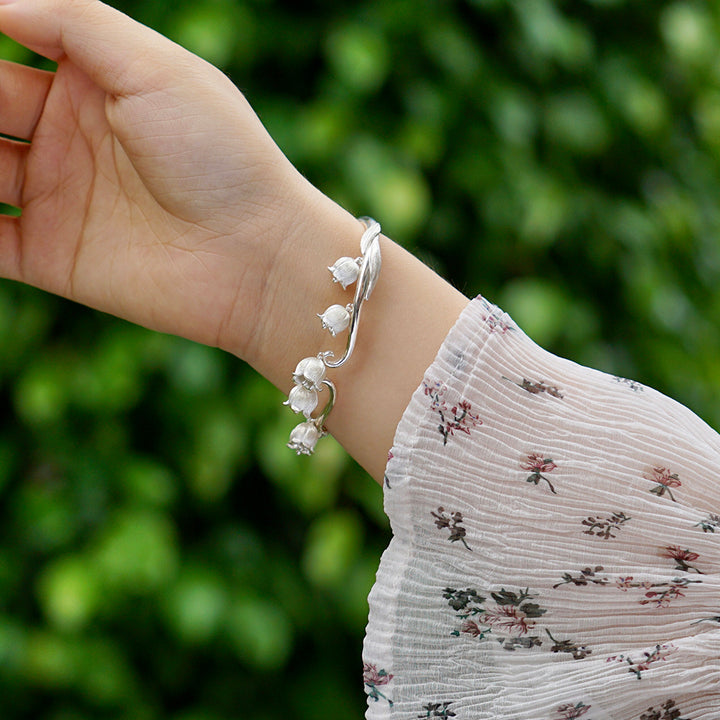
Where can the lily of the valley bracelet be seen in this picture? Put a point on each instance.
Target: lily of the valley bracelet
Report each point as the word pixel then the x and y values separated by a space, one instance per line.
pixel 309 375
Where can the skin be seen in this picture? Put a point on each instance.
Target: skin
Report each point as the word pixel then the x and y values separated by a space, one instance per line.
pixel 150 190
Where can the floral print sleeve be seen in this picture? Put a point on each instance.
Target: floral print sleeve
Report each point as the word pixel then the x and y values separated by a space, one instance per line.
pixel 556 544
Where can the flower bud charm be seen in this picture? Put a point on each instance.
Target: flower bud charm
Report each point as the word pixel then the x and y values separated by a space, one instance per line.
pixel 304 437
pixel 310 373
pixel 345 271
pixel 302 400
pixel 336 318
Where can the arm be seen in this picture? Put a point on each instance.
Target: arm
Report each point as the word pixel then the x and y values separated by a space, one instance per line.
pixel 150 190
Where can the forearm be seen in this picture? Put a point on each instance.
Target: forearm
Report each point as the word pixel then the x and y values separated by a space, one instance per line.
pixel 403 324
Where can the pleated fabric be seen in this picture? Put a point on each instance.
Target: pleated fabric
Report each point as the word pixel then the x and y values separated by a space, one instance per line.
pixel 556 544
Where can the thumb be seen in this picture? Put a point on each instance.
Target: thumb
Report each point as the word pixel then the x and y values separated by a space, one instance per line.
pixel 103 42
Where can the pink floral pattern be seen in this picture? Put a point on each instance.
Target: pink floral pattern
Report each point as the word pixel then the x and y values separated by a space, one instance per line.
pixel 522 615
pixel 664 479
pixel 682 558
pixel 656 594
pixel 374 679
pixel 510 617
pixel 495 319
pixel 659 654
pixel 459 417
pixel 539 466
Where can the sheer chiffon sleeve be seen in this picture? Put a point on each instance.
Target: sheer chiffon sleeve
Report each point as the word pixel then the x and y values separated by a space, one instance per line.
pixel 556 544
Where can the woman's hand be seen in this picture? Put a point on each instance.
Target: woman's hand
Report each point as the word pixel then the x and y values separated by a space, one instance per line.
pixel 149 187
pixel 150 190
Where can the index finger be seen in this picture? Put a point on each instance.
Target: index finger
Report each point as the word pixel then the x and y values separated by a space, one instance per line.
pixel 117 52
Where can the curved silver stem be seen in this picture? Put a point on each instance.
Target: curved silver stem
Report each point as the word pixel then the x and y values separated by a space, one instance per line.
pixel 369 272
pixel 320 419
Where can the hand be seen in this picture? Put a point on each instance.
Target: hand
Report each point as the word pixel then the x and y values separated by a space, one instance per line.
pixel 150 189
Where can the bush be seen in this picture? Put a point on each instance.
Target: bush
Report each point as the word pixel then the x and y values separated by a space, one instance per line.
pixel 159 557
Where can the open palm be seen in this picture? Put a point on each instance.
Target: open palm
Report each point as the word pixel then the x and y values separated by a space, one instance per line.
pixel 144 193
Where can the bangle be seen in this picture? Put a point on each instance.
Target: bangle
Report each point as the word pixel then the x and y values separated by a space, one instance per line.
pixel 309 375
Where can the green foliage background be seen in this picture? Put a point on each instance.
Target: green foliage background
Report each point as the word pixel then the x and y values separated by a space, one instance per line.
pixel 161 555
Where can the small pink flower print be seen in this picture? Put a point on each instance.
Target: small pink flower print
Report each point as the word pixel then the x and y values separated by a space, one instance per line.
pixel 495 319
pixel 470 627
pixel 373 679
pixel 509 619
pixel 665 480
pixel 664 598
pixel 625 583
pixel 572 712
pixel 459 417
pixel 682 558
pixel 373 676
pixel 659 595
pixel 638 667
pixel 537 465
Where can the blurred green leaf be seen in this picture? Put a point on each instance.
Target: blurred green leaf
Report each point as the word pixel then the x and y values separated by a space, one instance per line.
pixel 219 447
pixel 148 481
pixel 332 547
pixel 69 592
pixel 259 631
pixel 538 306
pixel 43 392
pixel 398 192
pixel 218 30
pixel 137 552
pixel 576 120
pixel 687 28
pixel 196 603
pixel 359 55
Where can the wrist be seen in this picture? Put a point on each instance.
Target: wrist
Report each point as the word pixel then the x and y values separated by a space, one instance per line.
pixel 403 325
pixel 294 285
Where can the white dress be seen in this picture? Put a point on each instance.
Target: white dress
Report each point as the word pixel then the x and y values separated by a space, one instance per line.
pixel 556 544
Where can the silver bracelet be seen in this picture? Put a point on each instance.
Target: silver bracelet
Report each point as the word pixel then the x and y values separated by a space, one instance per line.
pixel 309 375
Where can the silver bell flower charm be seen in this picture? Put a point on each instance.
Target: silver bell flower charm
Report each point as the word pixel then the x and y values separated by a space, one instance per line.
pixel 345 271
pixel 302 400
pixel 304 437
pixel 310 372
pixel 336 318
